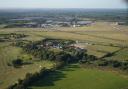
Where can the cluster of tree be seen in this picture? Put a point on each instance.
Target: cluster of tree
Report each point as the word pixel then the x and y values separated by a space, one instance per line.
pixel 65 56
pixel 17 62
pixel 12 36
pixel 114 63
pixel 19 44
pixel 61 42
pixel 16 36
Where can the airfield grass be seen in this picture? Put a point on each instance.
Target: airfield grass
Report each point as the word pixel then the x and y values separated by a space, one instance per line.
pixel 74 36
pixel 75 77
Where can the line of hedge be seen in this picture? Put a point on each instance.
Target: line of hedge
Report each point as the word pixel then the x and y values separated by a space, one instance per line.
pixel 30 78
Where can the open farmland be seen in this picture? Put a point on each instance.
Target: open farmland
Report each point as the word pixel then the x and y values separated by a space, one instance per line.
pixel 74 77
pixel 9 74
pixel 103 38
pixel 101 34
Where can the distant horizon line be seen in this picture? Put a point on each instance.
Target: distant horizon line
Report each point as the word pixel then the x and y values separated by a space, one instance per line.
pixel 58 8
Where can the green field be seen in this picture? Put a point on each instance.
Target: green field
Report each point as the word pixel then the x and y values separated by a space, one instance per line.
pixel 8 74
pixel 100 50
pixel 102 35
pixel 74 77
pixel 121 55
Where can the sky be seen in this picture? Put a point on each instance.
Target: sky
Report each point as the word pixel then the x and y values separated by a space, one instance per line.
pixel 62 4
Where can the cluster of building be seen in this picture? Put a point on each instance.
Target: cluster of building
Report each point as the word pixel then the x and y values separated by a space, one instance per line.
pixel 62 45
pixel 50 22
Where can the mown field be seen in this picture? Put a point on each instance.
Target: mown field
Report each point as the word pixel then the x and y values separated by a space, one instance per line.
pixel 74 77
pixel 104 38
pixel 8 74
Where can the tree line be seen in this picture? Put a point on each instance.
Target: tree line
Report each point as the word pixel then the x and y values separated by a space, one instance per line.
pixel 123 65
pixel 30 78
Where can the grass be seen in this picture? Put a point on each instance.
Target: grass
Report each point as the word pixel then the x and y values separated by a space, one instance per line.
pixel 100 50
pixel 8 74
pixel 8 53
pixel 103 48
pixel 74 77
pixel 100 34
pixel 74 36
pixel 121 55
pixel 96 53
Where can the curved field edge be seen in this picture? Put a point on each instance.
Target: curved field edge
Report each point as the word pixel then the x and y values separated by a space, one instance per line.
pixel 9 74
pixel 75 77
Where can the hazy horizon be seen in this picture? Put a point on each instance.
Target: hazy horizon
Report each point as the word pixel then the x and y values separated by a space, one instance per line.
pixel 55 4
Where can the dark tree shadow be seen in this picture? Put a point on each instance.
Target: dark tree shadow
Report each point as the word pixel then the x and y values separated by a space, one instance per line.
pixel 70 67
pixel 50 79
pixel 54 76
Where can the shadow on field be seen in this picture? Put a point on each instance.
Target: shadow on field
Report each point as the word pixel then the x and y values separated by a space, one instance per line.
pixel 70 67
pixel 49 79
pixel 54 76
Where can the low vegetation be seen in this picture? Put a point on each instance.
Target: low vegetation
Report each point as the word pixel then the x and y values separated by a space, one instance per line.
pixel 34 53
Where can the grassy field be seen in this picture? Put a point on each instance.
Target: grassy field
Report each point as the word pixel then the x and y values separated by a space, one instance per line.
pixel 8 74
pixel 102 34
pixel 121 55
pixel 100 50
pixel 74 77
